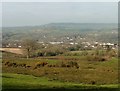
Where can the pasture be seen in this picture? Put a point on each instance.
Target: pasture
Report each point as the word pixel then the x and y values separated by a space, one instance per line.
pixel 20 82
pixel 56 72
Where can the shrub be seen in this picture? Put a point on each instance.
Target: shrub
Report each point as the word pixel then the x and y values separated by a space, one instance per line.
pixel 72 49
pixel 69 64
pixel 95 58
pixel 50 54
pixel 73 64
pixel 40 54
pixel 40 64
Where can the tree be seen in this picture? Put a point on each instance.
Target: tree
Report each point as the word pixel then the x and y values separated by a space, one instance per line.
pixel 29 46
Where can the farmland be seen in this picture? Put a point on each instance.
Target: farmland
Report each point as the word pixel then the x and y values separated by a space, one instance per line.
pixel 59 46
pixel 24 82
pixel 53 56
pixel 90 74
pixel 12 50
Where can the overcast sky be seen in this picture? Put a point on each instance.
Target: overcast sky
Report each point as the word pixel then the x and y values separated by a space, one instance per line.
pixel 27 14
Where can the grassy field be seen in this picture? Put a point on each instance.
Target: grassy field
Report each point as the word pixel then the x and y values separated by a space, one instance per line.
pixel 90 74
pixel 19 81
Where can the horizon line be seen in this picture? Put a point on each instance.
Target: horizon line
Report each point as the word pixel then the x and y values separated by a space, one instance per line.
pixel 52 23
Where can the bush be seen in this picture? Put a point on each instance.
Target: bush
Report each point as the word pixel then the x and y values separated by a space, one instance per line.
pixel 95 58
pixel 73 64
pixel 40 64
pixel 72 49
pixel 69 64
pixel 40 54
pixel 50 54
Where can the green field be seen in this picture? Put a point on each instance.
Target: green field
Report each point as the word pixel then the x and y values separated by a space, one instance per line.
pixel 19 81
pixel 91 74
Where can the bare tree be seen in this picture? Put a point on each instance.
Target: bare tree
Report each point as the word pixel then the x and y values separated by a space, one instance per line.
pixel 29 46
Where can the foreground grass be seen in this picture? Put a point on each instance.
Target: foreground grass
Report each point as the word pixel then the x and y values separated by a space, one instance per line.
pixel 19 81
pixel 90 72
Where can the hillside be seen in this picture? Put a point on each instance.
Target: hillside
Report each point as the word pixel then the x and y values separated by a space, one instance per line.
pixel 91 31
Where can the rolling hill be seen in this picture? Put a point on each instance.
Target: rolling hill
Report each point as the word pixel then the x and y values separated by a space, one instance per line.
pixel 97 31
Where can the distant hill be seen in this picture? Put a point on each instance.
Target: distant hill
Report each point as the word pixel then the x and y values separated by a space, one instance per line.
pixel 59 29
pixel 63 26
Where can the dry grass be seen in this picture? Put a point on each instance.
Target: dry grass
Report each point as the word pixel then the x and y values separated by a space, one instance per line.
pixel 90 72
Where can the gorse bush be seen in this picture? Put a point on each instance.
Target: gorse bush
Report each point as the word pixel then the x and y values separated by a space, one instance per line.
pixel 69 64
pixel 95 58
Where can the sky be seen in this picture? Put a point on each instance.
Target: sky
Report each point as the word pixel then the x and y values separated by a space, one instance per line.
pixel 38 13
pixel 60 0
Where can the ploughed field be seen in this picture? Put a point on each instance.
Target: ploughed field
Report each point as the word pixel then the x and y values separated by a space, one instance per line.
pixel 59 72
pixel 12 50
